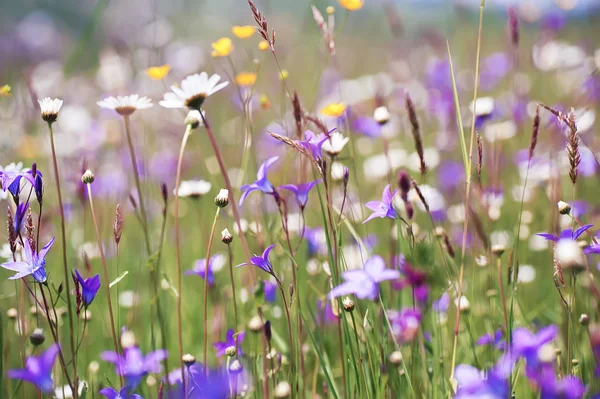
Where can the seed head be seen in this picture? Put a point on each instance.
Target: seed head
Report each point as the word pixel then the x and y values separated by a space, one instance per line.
pixel 584 319
pixel 226 237
pixel 127 339
pixel 188 359
pixel 564 208
pixel 37 337
pixel 395 358
pixel 348 304
pixel 222 199
pixel 230 351
pixel 12 313
pixel 381 115
pixel 87 177
pixel 255 324
pixel 498 249
pixel 283 389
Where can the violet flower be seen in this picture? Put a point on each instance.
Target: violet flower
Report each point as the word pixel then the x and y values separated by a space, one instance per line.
pixel 270 291
pixel 383 208
pixel 367 126
pixel 38 370
pixel 200 383
pixel 33 265
pixel 405 324
pixel 325 313
pixel 414 278
pixel 567 234
pixel 262 262
pixel 261 183
pixel 89 287
pixel 364 283
pixel 11 178
pixel 489 339
pixel 200 270
pixel 569 387
pixel 442 304
pixel 133 365
pixel 526 344
pixel 231 339
pixel 313 143
pixel 301 191
pixel 111 393
pixel 471 383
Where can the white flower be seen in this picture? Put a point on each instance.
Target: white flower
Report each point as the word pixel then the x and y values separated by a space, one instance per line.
pixel 50 108
pixel 194 118
pixel 193 91
pixel 126 105
pixel 65 392
pixel 381 115
pixel 569 254
pixel 193 188
pixel 484 106
pixel 335 144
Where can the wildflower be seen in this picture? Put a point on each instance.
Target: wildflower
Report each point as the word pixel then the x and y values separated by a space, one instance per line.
pixel 49 108
pixel 158 72
pixel 194 118
pixel 37 337
pixel 283 389
pixel 567 251
pixel 364 283
pixel 325 313
pixel 569 387
pixel 261 183
pixel 335 143
pixel 38 370
pixel 111 393
pixel 471 383
pixel 231 339
pixel 527 345
pixel 352 5
pixel 414 278
pixel 263 45
pixel 262 262
pixel 125 105
pixel 381 115
pixel 5 91
pixel 489 339
pixel 200 269
pixel 89 287
pixel 405 324
pixel 334 109
pixel 270 291
pixel 193 91
pixel 265 103
pixel 442 304
pixel 12 174
pixel 243 32
pixel 193 188
pixel 483 108
pixel 301 191
pixel 226 237
pixel 133 365
pixel 564 208
pixel 34 263
pixel 313 143
pixel 87 177
pixel 246 78
pixel 383 208
pixel 200 383
pixel 222 47
pixel 188 359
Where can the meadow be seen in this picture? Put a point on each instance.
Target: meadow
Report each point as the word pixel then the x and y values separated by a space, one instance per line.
pixel 315 201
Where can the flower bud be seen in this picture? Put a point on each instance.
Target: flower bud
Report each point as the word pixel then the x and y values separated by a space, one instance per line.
pixel 37 337
pixel 230 351
pixel 222 199
pixel 395 358
pixel 226 237
pixel 255 324
pixel 12 313
pixel 87 177
pixel 348 304
pixel 193 118
pixel 283 389
pixel 498 250
pixel 127 339
pixel 94 367
pixel 268 332
pixel 584 319
pixel 188 359
pixel 381 115
pixel 564 208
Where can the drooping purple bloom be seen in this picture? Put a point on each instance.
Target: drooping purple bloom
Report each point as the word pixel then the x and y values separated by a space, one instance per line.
pixel 133 365
pixel 364 283
pixel 89 287
pixel 325 313
pixel 270 291
pixel 111 393
pixel 313 143
pixel 567 234
pixel 262 262
pixel 262 183
pixel 526 344
pixel 34 263
pixel 11 178
pixel 200 270
pixel 405 324
pixel 301 191
pixel 231 339
pixel 471 383
pixel 20 212
pixel 38 370
pixel 495 340
pixel 383 208
pixel 315 237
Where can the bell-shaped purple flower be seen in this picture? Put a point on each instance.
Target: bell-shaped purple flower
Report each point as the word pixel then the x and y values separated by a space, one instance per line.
pixel 262 183
pixel 34 263
pixel 364 283
pixel 133 365
pixel 383 208
pixel 89 287
pixel 301 191
pixel 38 370
pixel 262 262
pixel 200 269
pixel 111 393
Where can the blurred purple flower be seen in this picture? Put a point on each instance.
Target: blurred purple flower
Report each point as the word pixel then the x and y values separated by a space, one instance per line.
pixel 471 383
pixel 200 269
pixel 451 174
pixel 405 324
pixel 133 365
pixel 212 384
pixel 554 20
pixel 489 339
pixel 34 264
pixel 325 313
pixel 231 339
pixel 111 393
pixel 261 183
pixel 569 387
pixel 367 126
pixel 442 304
pixel 262 262
pixel 364 283
pixel 315 239
pixel 89 287
pixel 416 279
pixel 38 369
pixel 270 290
pixel 313 143
pixel 383 208
pixel 301 191
pixel 526 344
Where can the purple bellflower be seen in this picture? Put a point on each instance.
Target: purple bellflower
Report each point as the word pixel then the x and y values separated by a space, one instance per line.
pixel 495 340
pixel 38 370
pixel 200 383
pixel 231 339
pixel 383 208
pixel 262 183
pixel 313 143
pixel 301 191
pixel 111 393
pixel 200 270
pixel 367 126
pixel 20 212
pixel 569 387
pixel 471 383
pixel 262 262
pixel 34 264
pixel 442 304
pixel 133 365
pixel 364 283
pixel 567 234
pixel 325 313
pixel 89 287
pixel 270 290
pixel 11 180
pixel 405 324
pixel 417 279
pixel 526 344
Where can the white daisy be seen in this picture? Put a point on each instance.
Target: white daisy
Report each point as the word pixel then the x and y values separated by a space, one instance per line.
pixel 193 188
pixel 126 105
pixel 193 91
pixel 50 108
pixel 335 144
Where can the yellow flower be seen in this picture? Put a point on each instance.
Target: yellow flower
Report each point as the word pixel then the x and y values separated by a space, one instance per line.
pixel 243 32
pixel 265 103
pixel 263 45
pixel 330 10
pixel 334 109
pixel 352 5
pixel 158 72
pixel 222 47
pixel 284 74
pixel 5 91
pixel 246 78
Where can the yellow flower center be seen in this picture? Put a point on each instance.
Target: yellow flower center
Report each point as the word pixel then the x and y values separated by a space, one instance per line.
pixel 246 78
pixel 352 5
pixel 243 32
pixel 158 72
pixel 222 47
pixel 334 109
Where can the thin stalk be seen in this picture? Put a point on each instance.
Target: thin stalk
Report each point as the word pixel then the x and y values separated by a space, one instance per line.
pixel 206 273
pixel 501 288
pixel 235 310
pixel 64 256
pixel 105 271
pixel 136 176
pixel 186 135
